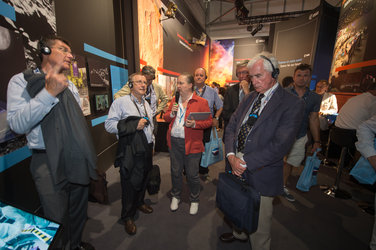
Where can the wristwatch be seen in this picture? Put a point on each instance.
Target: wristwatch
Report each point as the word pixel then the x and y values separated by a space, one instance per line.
pixel 217 118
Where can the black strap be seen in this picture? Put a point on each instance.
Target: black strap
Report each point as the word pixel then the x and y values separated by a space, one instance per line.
pixel 146 113
pixel 202 93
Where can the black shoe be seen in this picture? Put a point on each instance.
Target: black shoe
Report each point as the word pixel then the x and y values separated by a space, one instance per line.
pixel 229 237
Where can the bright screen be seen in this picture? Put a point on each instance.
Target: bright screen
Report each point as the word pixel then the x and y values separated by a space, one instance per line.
pixel 23 230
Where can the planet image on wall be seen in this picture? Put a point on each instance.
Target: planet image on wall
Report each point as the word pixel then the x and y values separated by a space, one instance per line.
pixel 13 61
pixel 4 38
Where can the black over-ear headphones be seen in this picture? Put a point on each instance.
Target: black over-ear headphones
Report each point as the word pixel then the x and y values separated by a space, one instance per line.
pixel 43 47
pixel 130 84
pixel 275 71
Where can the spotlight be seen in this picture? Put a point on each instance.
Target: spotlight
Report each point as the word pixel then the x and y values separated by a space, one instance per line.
pixel 257 29
pixel 171 9
pixel 170 12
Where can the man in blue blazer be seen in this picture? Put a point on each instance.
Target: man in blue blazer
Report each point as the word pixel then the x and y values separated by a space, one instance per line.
pixel 258 136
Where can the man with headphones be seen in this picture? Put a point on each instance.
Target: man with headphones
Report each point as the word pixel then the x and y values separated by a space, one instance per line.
pixel 236 93
pixel 45 105
pixel 154 94
pixel 215 105
pixel 131 119
pixel 258 136
pixel 302 78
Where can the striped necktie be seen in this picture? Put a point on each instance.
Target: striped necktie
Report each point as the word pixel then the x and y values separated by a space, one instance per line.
pixel 246 127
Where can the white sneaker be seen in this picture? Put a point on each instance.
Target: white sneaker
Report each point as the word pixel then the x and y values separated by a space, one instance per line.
pixel 194 208
pixel 174 204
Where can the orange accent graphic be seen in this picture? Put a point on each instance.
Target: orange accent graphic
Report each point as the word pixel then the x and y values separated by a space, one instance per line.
pixel 356 65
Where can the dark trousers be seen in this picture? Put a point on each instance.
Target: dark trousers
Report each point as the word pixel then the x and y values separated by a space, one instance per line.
pixel 133 197
pixel 65 202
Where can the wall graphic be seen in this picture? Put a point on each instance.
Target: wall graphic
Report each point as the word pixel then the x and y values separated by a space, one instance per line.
pixel 11 54
pixel 101 102
pixel 150 32
pixel 34 20
pixel 246 49
pixel 168 84
pixel 294 43
pixel 99 74
pixel 119 77
pixel 355 26
pixel 221 61
pixel 78 76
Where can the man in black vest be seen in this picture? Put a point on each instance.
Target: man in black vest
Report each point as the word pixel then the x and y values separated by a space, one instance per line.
pixel 44 105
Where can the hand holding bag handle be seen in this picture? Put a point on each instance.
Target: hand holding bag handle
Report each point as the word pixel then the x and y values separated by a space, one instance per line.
pixel 305 180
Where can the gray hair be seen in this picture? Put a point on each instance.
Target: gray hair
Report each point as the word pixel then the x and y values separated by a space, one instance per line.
pixel 243 63
pixel 267 66
pixel 148 70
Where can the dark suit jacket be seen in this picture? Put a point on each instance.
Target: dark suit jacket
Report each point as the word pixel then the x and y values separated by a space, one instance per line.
pixel 230 103
pixel 270 139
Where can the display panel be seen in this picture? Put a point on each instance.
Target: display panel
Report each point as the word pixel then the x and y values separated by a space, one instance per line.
pixel 23 230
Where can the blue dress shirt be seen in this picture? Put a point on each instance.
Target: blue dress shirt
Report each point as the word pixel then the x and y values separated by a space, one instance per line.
pixel 25 113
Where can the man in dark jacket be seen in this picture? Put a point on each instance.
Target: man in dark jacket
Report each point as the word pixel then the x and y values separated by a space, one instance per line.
pixel 259 134
pixel 131 118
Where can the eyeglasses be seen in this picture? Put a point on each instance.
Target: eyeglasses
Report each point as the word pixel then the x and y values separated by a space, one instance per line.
pixel 139 82
pixel 63 50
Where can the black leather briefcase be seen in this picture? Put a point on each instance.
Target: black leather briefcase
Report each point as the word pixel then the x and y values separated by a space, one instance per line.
pixel 239 202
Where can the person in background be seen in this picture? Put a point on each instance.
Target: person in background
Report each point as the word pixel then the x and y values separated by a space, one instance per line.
pixel 259 134
pixel 235 94
pixel 357 109
pixel 302 77
pixel 215 86
pixel 131 118
pixel 208 93
pixel 184 138
pixel 328 103
pixel 154 95
pixel 287 81
pixel 366 136
pixel 45 105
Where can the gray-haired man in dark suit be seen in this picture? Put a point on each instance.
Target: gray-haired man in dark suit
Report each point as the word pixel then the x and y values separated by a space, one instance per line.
pixel 259 134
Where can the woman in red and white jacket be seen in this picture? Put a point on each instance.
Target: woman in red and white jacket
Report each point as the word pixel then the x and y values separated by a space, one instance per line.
pixel 184 139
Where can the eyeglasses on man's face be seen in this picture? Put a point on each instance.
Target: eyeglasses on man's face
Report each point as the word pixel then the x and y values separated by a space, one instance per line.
pixel 139 82
pixel 64 50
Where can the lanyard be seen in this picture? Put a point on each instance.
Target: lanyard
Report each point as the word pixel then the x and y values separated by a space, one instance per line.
pixel 182 113
pixel 202 93
pixel 146 113
pixel 269 96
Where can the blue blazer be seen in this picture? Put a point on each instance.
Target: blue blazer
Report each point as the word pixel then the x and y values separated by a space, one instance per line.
pixel 269 141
